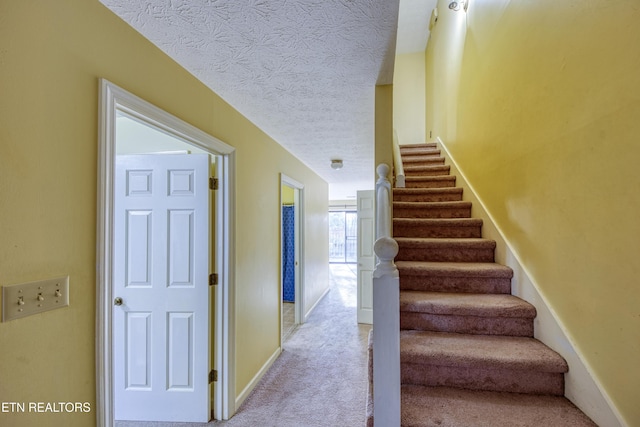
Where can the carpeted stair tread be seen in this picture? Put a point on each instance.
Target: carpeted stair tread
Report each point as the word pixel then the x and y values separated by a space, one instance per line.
pixel 425 151
pixel 434 179
pixel 445 249
pixel 453 407
pixel 449 209
pixel 426 242
pixel 431 205
pixel 423 161
pixel 426 170
pixel 427 194
pixel 419 145
pixel 466 324
pixel 457 269
pixel 467 277
pixel 478 352
pixel 464 304
pixel 442 222
pixel 437 227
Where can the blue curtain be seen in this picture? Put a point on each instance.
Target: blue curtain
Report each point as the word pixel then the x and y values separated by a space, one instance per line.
pixel 288 254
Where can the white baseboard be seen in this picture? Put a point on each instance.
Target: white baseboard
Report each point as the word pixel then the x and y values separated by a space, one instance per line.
pixel 581 386
pixel 256 379
pixel 308 313
pixel 258 376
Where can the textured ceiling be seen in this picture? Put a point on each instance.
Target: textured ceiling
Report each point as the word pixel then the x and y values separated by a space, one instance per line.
pixel 304 71
pixel 413 25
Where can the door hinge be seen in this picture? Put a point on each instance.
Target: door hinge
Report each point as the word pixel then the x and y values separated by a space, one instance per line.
pixel 213 376
pixel 213 279
pixel 213 183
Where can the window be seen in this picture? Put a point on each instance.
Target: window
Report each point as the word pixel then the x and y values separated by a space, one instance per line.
pixel 343 235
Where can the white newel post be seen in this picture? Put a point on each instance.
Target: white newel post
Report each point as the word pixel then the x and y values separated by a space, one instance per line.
pixel 383 202
pixel 386 313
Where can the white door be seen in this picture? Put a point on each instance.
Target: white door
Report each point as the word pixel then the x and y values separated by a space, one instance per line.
pixel 160 286
pixel 366 256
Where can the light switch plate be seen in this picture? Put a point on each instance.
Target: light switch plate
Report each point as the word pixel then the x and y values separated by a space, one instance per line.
pixel 25 299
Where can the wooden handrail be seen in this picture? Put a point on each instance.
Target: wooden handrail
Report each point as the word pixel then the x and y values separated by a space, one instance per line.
pixel 386 312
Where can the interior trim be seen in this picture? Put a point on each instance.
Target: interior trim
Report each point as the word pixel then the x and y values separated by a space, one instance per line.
pixel 113 99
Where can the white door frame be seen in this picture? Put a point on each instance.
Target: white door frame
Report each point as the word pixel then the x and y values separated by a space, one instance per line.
pixel 112 100
pixel 299 247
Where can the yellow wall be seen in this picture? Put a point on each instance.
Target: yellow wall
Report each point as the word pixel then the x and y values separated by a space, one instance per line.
pixel 51 57
pixel 383 152
pixel 539 103
pixel 287 195
pixel 408 98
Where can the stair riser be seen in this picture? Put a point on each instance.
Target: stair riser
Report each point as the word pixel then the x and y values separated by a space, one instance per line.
pixel 512 326
pixel 507 380
pixel 437 231
pixel 418 183
pixel 432 212
pixel 444 254
pixel 435 197
pixel 479 285
pixel 427 171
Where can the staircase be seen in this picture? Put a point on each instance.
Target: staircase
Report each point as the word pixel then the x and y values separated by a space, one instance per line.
pixel 467 352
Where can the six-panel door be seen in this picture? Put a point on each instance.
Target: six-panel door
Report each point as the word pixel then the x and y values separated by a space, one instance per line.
pixel 161 328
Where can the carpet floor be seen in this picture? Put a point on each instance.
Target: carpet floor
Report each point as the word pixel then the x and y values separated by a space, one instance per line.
pixel 320 379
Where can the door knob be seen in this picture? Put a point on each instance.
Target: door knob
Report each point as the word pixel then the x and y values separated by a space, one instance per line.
pixel 117 301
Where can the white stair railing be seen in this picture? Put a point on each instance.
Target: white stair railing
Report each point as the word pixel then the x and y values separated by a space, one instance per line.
pixel 397 162
pixel 386 312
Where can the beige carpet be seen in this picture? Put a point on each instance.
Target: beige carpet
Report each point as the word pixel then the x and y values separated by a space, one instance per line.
pixel 321 377
pixel 288 320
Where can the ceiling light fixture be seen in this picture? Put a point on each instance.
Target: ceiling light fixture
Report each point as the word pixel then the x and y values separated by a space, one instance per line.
pixel 457 5
pixel 336 164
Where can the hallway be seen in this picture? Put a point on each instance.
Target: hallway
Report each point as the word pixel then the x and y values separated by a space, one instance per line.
pixel 320 379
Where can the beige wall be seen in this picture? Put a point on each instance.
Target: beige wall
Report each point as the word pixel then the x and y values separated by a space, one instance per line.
pixel 384 126
pixel 408 98
pixel 51 57
pixel 538 102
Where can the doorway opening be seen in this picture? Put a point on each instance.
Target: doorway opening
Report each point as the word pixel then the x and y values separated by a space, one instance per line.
pixel 291 238
pixel 129 125
pixel 343 236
